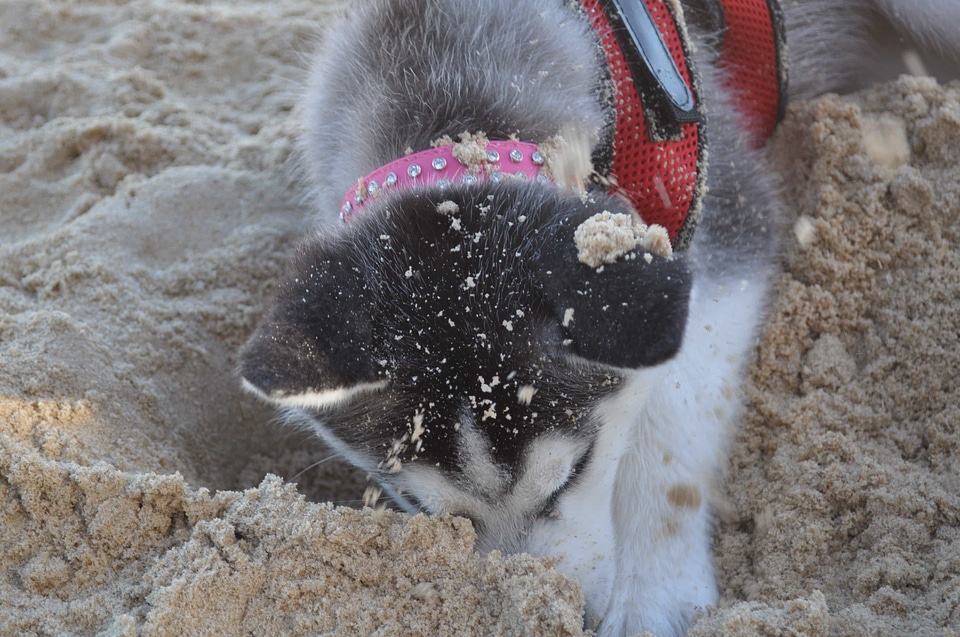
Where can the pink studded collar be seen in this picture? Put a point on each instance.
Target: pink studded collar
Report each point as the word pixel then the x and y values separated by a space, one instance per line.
pixel 444 165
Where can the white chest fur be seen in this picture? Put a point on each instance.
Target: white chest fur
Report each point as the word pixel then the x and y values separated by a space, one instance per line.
pixel 635 529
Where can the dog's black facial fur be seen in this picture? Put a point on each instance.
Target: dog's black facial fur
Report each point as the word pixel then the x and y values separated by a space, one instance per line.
pixel 625 314
pixel 457 312
pixel 317 335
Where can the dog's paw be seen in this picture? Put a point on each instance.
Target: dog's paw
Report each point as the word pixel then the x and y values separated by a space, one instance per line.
pixel 673 583
pixel 666 612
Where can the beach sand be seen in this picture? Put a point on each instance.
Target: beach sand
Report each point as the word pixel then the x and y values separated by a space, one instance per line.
pixel 145 214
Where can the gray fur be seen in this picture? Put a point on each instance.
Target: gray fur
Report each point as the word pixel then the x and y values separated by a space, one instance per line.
pixel 842 45
pixel 398 75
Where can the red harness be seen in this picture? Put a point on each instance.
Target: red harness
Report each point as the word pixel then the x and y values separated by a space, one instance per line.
pixel 656 157
pixel 662 173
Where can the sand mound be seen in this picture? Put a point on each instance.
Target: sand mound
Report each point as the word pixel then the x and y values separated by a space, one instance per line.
pixel 846 475
pixel 143 219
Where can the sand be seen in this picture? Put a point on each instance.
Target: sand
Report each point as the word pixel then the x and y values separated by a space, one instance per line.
pixel 845 479
pixel 145 213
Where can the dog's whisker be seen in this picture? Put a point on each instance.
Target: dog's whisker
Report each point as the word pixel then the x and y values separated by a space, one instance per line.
pixel 313 465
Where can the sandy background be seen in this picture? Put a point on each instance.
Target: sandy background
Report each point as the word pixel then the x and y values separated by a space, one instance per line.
pixel 144 214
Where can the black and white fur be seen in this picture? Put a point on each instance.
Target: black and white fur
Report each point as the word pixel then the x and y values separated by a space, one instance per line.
pixel 469 362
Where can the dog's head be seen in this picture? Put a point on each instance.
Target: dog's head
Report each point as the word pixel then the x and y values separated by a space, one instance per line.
pixel 453 345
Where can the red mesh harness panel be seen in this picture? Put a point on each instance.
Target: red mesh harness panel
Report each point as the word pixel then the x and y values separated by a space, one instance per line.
pixel 751 56
pixel 664 179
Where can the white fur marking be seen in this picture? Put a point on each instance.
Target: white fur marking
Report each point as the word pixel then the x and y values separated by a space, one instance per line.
pixel 313 399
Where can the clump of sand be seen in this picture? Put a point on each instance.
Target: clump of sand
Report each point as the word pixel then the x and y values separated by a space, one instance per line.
pixel 448 208
pixel 567 158
pixel 471 150
pixel 143 222
pixel 608 236
pixel 91 550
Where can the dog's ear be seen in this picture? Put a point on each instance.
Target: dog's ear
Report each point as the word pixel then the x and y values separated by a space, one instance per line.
pixel 630 313
pixel 312 349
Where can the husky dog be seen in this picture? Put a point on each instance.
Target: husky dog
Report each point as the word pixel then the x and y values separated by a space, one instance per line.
pixel 451 340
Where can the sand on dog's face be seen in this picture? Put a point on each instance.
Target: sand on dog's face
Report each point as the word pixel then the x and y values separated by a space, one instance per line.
pixel 144 216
